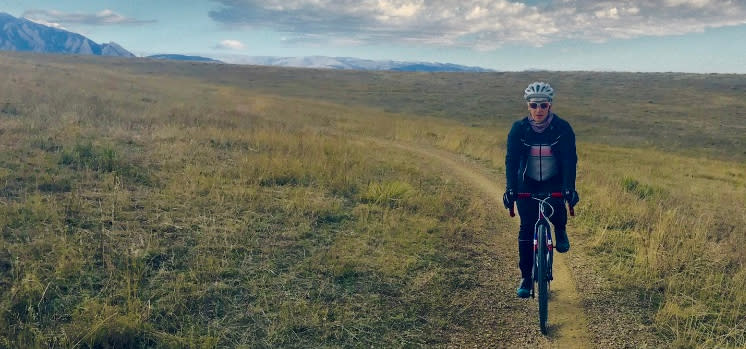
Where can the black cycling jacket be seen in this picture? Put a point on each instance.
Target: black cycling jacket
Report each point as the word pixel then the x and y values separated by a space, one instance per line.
pixel 521 137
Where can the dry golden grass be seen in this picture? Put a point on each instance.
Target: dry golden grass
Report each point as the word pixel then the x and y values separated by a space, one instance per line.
pixel 667 227
pixel 662 225
pixel 157 212
pixel 148 210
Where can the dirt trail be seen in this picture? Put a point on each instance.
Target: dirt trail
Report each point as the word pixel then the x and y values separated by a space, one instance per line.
pixel 568 324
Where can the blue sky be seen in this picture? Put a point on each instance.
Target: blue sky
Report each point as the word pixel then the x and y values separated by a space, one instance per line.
pixel 702 36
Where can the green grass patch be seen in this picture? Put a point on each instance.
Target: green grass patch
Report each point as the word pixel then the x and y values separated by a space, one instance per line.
pixel 86 156
pixel 641 190
pixel 387 194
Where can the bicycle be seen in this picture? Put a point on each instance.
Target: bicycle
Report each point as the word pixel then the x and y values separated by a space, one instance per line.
pixel 543 252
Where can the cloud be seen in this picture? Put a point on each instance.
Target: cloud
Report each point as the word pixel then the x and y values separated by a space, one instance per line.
pixel 105 17
pixel 230 45
pixel 478 24
pixel 48 24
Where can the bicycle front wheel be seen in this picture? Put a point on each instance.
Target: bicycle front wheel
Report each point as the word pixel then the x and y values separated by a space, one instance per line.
pixel 542 268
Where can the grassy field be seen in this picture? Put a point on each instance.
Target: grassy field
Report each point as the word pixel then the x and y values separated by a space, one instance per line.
pixel 694 114
pixel 161 212
pixel 162 204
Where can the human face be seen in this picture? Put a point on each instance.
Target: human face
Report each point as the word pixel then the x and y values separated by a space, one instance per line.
pixel 539 114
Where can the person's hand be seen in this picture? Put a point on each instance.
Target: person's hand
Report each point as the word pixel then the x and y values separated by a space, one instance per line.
pixel 571 196
pixel 509 198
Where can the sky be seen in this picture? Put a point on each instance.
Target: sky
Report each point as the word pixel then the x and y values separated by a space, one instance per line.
pixel 699 36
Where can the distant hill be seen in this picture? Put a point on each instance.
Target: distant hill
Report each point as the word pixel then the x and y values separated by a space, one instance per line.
pixel 20 34
pixel 436 67
pixel 349 63
pixel 184 58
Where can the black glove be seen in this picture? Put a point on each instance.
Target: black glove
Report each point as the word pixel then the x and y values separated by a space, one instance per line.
pixel 509 198
pixel 571 196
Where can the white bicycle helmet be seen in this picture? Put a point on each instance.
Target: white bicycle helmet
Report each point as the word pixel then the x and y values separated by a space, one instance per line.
pixel 538 90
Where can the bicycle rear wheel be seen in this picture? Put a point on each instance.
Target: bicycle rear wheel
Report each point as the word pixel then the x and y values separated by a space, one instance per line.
pixel 542 266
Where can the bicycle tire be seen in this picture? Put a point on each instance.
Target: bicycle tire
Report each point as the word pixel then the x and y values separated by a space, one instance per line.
pixel 542 267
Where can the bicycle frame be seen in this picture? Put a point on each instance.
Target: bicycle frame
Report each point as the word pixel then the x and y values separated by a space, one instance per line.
pixel 543 251
pixel 542 236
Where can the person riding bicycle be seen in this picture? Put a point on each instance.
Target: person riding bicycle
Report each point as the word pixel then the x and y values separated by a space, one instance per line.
pixel 540 157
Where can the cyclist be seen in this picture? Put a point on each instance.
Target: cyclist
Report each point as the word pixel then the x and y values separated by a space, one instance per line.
pixel 540 157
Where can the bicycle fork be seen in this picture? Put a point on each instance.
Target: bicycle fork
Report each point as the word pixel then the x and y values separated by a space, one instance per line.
pixel 548 256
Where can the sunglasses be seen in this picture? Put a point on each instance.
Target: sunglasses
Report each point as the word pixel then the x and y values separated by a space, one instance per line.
pixel 544 105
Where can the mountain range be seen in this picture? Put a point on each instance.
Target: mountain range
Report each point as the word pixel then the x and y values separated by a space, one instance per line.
pixel 21 34
pixel 354 64
pixel 176 57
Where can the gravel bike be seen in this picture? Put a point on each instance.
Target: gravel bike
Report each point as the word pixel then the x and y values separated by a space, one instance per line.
pixel 543 251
